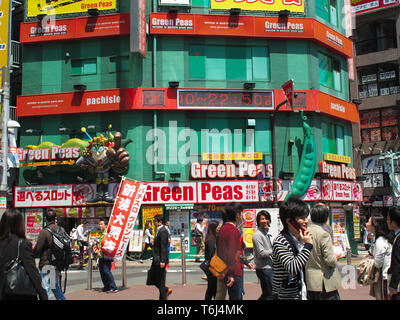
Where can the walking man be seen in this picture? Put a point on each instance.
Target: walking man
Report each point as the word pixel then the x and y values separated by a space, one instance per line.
pixel 49 273
pixel 81 238
pixel 262 254
pixel 157 272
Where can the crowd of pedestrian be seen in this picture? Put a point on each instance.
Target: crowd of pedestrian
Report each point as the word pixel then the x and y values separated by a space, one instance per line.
pixel 300 263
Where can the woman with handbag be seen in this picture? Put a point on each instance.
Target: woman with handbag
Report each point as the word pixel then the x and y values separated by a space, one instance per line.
pixel 210 246
pixel 19 276
pixel 381 250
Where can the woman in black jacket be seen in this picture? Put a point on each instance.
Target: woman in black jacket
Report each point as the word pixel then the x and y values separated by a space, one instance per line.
pixel 12 229
pixel 209 250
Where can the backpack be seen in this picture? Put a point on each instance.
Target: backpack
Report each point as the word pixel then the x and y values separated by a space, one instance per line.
pixel 61 250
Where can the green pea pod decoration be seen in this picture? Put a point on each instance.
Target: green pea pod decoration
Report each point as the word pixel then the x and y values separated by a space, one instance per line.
pixel 307 165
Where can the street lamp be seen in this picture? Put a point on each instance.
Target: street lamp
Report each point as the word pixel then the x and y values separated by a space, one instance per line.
pixel 389 158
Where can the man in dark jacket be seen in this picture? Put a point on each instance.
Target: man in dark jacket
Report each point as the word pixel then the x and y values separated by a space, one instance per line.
pixel 157 271
pixel 50 275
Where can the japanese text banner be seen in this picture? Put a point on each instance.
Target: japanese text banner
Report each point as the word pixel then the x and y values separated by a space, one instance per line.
pixel 123 217
pixel 259 5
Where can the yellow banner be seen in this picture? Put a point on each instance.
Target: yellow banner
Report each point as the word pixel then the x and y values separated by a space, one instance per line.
pixel 4 21
pixel 232 156
pixel 148 214
pixel 54 7
pixel 337 158
pixel 260 5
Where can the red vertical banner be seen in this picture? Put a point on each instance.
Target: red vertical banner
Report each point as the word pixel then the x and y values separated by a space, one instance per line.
pixel 287 88
pixel 123 217
pixel 138 27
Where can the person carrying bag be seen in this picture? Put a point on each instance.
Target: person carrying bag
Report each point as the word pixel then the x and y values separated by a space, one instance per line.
pixel 19 277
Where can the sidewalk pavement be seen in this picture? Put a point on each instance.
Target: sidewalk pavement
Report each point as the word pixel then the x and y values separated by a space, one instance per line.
pixel 195 291
pixel 191 292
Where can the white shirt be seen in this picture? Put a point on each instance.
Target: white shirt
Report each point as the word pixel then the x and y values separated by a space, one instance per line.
pixel 148 236
pixel 382 251
pixel 80 233
pixel 300 246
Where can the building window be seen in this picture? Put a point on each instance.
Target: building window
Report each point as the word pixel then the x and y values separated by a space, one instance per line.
pixel 379 125
pixel 333 138
pixel 376 36
pixel 329 71
pixel 328 10
pixel 80 67
pixel 211 62
pixel 119 64
pixel 223 135
pixel 378 80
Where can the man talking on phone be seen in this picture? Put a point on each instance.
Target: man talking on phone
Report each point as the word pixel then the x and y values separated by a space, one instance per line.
pixel 291 251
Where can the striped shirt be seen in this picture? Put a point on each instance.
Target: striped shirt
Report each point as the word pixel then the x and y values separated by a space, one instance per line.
pixel 288 264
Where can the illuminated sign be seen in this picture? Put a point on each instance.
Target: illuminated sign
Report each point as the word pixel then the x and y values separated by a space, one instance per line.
pixel 230 171
pixel 220 99
pixel 232 156
pixel 54 7
pixel 260 5
pixel 337 158
pixel 338 171
pixel 359 6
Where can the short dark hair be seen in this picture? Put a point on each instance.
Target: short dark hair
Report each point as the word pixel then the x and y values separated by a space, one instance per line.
pixel 159 217
pixel 231 211
pixel 321 202
pixel 264 213
pixel 292 209
pixel 319 213
pixel 50 215
pixel 12 222
pixel 394 214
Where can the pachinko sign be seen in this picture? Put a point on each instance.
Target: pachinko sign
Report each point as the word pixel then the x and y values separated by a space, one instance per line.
pixel 260 5
pixel 123 217
pixel 43 196
pixel 54 7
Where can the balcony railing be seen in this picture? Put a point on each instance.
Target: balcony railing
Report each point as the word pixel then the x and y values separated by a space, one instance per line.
pixel 15 55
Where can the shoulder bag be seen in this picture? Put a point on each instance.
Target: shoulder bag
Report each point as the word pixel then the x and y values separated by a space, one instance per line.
pixel 17 281
pixel 366 271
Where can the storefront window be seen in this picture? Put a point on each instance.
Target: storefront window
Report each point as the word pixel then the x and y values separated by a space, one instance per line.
pixel 329 71
pixel 376 36
pixel 81 67
pixel 379 125
pixel 213 62
pixel 327 10
pixel 378 80
pixel 333 138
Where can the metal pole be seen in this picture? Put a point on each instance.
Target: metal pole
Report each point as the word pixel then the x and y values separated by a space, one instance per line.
pixel 124 280
pixel 89 270
pixel 5 106
pixel 183 258
pixel 273 155
pixel 348 256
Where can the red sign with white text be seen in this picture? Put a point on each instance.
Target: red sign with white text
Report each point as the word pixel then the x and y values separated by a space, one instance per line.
pixel 250 26
pixel 166 99
pixel 75 28
pixel 123 217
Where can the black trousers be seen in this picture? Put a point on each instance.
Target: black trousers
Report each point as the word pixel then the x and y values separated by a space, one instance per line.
pixel 323 295
pixel 146 246
pixel 265 277
pixel 211 286
pixel 159 275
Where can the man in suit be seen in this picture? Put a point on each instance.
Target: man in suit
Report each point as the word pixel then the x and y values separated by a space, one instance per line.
pixel 322 275
pixel 393 221
pixel 160 257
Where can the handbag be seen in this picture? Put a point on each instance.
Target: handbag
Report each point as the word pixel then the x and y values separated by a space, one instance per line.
pixel 17 281
pixel 205 265
pixel 218 267
pixel 366 271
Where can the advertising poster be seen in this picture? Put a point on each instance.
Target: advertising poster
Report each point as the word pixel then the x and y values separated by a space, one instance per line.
pixel 33 224
pixel 356 220
pixel 249 226
pixel 258 5
pixel 148 214
pixel 123 218
pixel 54 7
pixel 179 223
pixel 136 241
pixel 340 241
